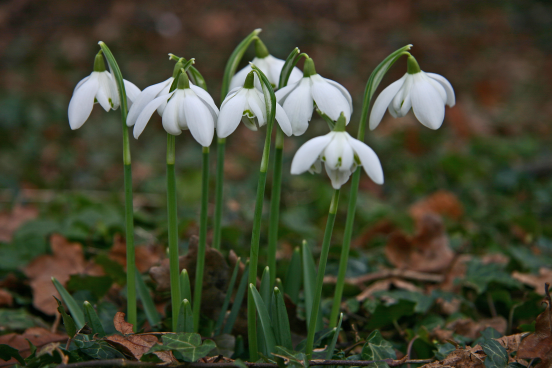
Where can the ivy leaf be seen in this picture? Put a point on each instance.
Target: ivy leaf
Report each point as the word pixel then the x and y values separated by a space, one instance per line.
pixel 189 345
pixel 377 348
pixel 96 349
pixel 497 355
pixel 480 275
pixel 443 350
pixel 7 352
pixel 384 315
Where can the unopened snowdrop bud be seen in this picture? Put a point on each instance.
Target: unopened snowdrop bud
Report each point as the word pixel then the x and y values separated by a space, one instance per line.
pixel 340 153
pixel 426 93
pixel 247 104
pixel 268 64
pixel 297 98
pixel 188 107
pixel 98 87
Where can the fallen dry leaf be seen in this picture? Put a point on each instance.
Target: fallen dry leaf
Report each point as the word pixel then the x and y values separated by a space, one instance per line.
pixel 382 227
pixel 538 343
pixel 67 259
pixel 145 257
pixel 132 345
pixel 468 357
pixel 121 325
pixel 385 285
pixel 471 329
pixel 11 221
pixel 6 298
pixel 37 336
pixel 440 202
pixel 427 251
pixel 536 281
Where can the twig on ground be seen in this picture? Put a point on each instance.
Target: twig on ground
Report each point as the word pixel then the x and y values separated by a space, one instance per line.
pixel 388 273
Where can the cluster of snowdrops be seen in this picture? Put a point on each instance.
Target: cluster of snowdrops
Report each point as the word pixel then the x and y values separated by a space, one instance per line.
pixel 267 90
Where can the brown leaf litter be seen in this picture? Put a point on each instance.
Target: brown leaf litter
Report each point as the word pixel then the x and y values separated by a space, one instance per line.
pixel 11 221
pixel 37 336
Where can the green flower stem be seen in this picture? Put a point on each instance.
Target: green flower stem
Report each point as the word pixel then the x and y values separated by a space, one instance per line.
pixel 321 273
pixel 275 205
pixel 221 142
pixel 198 284
pixel 129 215
pixel 173 230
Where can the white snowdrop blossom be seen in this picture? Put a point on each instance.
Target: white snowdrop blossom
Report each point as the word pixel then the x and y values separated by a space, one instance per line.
pixel 247 104
pixel 187 107
pixel 99 87
pixel 341 155
pixel 298 99
pixel 426 93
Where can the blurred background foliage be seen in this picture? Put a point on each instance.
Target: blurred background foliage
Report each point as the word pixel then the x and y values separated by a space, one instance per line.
pixel 493 151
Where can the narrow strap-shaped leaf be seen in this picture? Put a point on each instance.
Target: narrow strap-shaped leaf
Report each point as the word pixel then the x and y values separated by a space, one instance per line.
pixel 75 310
pixel 93 320
pixel 240 293
pixel 147 302
pixel 234 60
pixel 265 287
pixel 372 84
pixel 224 308
pixel 264 320
pixel 197 78
pixel 293 281
pixel 185 291
pixel 287 68
pixel 186 319
pixel 334 339
pixel 68 322
pixel 280 320
pixel 309 275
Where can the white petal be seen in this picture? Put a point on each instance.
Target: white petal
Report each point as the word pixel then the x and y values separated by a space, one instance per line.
pixel 295 76
pixel 249 123
pixel 81 103
pixel 199 119
pixel 257 106
pixel 239 78
pixel 282 94
pixel 309 152
pixel 299 106
pixel 333 151
pixel 131 90
pixel 450 101
pixel 143 99
pixel 103 95
pixel 382 102
pixel 147 112
pixel 343 91
pixel 231 113
pixel 165 91
pixel 230 94
pixel 207 99
pixel 283 121
pixel 274 68
pixel 369 160
pixel 170 118
pixel 329 99
pixel 337 177
pixel 428 105
pixel 81 83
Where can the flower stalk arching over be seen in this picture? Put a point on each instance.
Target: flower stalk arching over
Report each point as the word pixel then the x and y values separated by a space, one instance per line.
pixel 98 87
pixel 187 107
pixel 426 93
pixel 341 155
pixel 298 99
pixel 268 64
pixel 247 104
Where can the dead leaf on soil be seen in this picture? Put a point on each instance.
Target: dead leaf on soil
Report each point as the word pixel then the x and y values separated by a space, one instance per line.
pixel 11 221
pixel 385 285
pixel 469 357
pixel 36 335
pixel 67 259
pixel 146 257
pixel 471 329
pixel 427 251
pixel 6 298
pixel 121 325
pixel 440 202
pixel 536 281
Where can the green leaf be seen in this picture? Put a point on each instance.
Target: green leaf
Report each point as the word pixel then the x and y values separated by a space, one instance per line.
pixel 297 359
pixel 147 302
pixel 186 320
pixel 92 319
pixel 480 275
pixel 320 336
pixel 226 302
pixel 68 322
pixel 97 349
pixel 384 315
pixel 112 268
pixel 240 293
pixel 377 348
pixel 234 60
pixel 117 76
pixel 422 301
pixel 7 352
pixel 265 287
pixel 293 281
pixel 197 78
pixel 443 350
pixel 19 320
pixel 185 290
pixel 280 320
pixel 497 355
pixel 189 345
pixel 309 274
pixel 330 348
pixel 264 319
pixel 97 285
pixel 287 67
pixel 75 310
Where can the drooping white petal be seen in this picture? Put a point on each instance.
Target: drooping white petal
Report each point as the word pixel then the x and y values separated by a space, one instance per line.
pixel 369 160
pixel 147 112
pixel 283 93
pixel 257 106
pixel 199 119
pixel 170 118
pixel 298 105
pixel 103 95
pixel 316 167
pixel 428 104
pixel 239 78
pixel 231 113
pixel 81 83
pixel 207 99
pixel 332 154
pixel 143 99
pixel 329 99
pixel 309 152
pixel 337 177
pixel 165 91
pixel 283 121
pixel 437 86
pixel 230 94
pixel 131 90
pixel 450 101
pixel 81 103
pixel 343 91
pixel 382 102
pixel 113 92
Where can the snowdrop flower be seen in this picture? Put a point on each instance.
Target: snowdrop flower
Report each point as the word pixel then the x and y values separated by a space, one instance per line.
pixel 426 93
pixel 297 98
pixel 341 155
pixel 268 64
pixel 247 104
pixel 187 107
pixel 99 87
